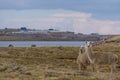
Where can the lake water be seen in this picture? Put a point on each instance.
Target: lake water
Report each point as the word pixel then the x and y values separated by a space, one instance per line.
pixel 41 43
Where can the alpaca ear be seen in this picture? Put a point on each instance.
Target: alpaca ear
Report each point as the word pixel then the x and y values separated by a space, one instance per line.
pixel 81 50
pixel 86 43
pixel 91 44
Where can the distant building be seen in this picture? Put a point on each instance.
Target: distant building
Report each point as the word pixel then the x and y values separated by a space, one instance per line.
pixel 23 29
pixel 53 30
pixel 38 32
pixel 94 34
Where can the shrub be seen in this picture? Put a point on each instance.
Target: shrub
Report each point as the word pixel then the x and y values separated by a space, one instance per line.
pixel 33 45
pixel 10 45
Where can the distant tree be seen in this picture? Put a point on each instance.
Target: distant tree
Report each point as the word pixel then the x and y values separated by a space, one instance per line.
pixel 23 29
pixel 33 45
pixel 10 45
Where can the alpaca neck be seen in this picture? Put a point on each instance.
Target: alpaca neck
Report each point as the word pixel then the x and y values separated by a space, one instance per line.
pixel 89 54
pixel 79 51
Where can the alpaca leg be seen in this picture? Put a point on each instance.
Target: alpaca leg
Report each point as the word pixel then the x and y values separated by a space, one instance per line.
pixel 92 67
pixel 114 67
pixel 84 67
pixel 111 67
pixel 97 69
pixel 111 74
pixel 80 67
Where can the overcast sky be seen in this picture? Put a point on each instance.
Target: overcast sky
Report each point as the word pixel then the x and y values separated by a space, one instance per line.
pixel 80 16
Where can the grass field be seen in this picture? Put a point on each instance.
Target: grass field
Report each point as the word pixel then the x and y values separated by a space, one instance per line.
pixel 51 63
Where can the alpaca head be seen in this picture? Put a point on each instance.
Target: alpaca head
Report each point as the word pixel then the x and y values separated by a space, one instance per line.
pixel 88 44
pixel 82 49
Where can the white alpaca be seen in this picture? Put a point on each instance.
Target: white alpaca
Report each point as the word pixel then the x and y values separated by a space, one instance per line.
pixel 82 59
pixel 101 58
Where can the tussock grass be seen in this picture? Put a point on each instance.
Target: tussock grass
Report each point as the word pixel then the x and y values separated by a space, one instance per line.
pixel 50 63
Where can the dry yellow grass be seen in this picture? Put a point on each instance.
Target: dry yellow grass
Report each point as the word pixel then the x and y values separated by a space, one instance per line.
pixel 51 63
pixel 115 38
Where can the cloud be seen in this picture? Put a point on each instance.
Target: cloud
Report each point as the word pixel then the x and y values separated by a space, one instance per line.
pixel 85 23
pixel 78 22
pixel 109 8
pixel 59 4
pixel 91 25
pixel 73 15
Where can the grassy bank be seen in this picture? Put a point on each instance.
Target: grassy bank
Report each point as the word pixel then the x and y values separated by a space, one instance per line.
pixel 50 63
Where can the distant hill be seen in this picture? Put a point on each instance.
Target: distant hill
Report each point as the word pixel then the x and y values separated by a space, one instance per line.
pixel 115 38
pixel 24 34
